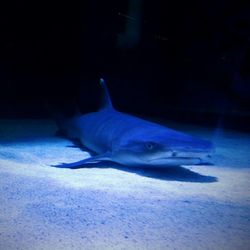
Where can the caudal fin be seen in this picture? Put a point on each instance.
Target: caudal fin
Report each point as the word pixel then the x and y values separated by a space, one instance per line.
pixel 106 100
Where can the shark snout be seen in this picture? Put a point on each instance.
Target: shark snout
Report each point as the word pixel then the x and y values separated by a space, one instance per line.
pixel 204 156
pixel 182 157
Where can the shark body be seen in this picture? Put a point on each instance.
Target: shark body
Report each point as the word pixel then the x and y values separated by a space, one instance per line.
pixel 132 141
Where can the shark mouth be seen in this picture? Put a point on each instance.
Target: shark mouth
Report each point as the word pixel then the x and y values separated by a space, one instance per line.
pixel 173 161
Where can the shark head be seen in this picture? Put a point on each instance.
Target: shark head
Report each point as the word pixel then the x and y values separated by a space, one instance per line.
pixel 167 148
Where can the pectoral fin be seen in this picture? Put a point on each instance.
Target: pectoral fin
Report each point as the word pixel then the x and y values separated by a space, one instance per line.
pixel 85 162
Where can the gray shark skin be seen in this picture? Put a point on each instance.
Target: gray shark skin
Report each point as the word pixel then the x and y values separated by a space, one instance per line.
pixel 131 141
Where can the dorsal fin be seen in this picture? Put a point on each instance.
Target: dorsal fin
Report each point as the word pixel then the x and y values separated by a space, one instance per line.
pixel 106 100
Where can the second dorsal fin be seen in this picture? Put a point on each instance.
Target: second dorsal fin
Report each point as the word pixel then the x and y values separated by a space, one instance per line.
pixel 106 100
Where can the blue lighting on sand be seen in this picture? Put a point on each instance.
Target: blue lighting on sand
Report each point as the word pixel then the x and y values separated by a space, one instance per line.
pixel 108 205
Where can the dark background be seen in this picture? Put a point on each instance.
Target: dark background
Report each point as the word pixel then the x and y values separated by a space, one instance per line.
pixel 180 60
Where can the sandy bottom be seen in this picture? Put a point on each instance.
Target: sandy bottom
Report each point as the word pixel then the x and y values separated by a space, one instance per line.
pixel 108 207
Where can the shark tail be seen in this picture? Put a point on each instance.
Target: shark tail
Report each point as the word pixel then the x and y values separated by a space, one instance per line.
pixel 61 113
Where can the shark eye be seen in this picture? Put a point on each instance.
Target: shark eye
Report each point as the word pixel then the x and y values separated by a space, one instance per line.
pixel 150 145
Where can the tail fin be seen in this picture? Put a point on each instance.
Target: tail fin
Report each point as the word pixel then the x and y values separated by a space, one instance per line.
pixel 106 100
pixel 61 113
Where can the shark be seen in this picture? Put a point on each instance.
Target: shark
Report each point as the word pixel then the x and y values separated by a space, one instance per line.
pixel 128 140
